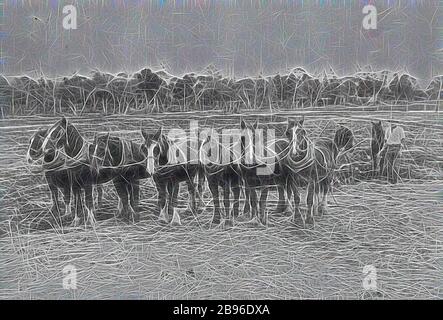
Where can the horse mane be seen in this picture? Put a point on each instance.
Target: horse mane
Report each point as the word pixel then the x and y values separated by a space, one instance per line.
pixel 343 136
pixel 74 141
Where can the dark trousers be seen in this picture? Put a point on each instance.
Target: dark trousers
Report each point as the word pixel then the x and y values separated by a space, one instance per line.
pixel 382 161
pixel 390 162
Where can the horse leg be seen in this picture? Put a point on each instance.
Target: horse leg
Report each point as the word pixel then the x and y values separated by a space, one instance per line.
pixel 309 203
pixel 89 200
pixel 282 204
pixel 227 202
pixel 263 198
pixel 253 199
pixel 374 163
pixel 133 189
pixel 173 194
pixel 120 187
pixel 191 190
pixel 289 194
pixel 324 189
pixel 78 205
pixel 55 209
pixel 296 216
pixel 67 200
pixel 161 189
pixel 235 186
pixel 213 187
pixel 247 206
pixel 201 184
pixel 99 189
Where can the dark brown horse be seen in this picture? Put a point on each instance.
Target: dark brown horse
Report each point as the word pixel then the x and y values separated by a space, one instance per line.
pixel 56 179
pixel 311 164
pixel 219 157
pixel 91 164
pixel 261 170
pixel 168 174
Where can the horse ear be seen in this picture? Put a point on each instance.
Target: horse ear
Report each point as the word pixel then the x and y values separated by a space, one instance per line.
pixel 302 120
pixel 158 134
pixel 63 121
pixel 255 125
pixel 144 134
pixel 243 124
pixel 42 130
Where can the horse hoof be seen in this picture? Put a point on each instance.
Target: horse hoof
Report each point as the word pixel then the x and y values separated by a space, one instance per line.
pixel 91 222
pixel 136 217
pixel 176 222
pixel 321 210
pixel 229 223
pixel 255 222
pixel 67 218
pixel 55 211
pixel 280 210
pixel 296 220
pixel 215 222
pixel 75 222
pixel 163 217
pixel 309 220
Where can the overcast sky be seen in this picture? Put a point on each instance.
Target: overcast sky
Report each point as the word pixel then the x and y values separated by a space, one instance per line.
pixel 237 37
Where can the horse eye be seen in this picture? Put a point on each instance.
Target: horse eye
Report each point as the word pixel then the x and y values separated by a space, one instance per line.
pixel 156 151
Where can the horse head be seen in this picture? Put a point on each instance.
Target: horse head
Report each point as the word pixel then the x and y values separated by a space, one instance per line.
pixel 344 139
pixel 155 148
pixel 35 151
pixel 62 138
pixel 297 136
pixel 247 141
pixel 34 155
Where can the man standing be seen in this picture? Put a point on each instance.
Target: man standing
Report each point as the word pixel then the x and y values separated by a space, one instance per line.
pixel 393 146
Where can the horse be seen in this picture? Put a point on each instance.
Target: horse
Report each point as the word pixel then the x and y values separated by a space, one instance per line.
pixel 377 143
pixel 167 176
pixel 89 164
pixel 254 179
pixel 221 168
pixel 55 178
pixel 312 164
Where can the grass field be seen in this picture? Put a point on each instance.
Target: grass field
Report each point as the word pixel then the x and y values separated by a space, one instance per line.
pixel 396 228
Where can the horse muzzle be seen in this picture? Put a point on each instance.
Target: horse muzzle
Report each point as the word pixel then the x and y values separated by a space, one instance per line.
pixel 35 166
pixel 52 160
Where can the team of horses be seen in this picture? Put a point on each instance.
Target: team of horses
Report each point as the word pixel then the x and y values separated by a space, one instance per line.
pixel 74 165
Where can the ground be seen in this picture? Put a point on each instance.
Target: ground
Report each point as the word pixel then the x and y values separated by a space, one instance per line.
pixel 398 229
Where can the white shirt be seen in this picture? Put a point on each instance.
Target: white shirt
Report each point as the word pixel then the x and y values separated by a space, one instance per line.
pixel 396 136
pixel 387 133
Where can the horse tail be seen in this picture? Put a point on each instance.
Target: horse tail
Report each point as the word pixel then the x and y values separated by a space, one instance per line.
pixel 200 180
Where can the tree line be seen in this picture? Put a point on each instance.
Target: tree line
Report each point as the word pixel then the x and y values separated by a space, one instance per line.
pixel 158 91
